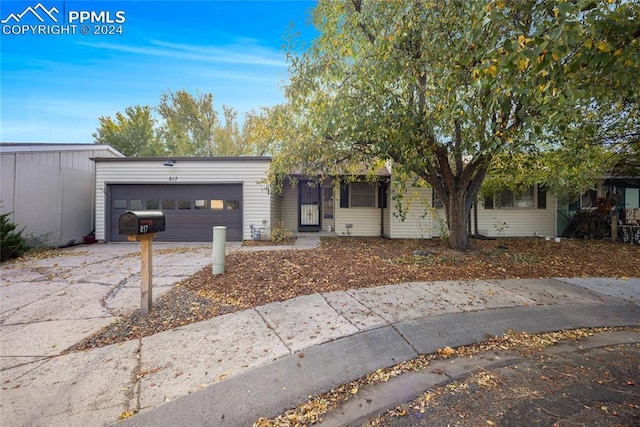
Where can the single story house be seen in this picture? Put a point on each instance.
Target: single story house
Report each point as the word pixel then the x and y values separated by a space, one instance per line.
pixel 197 194
pixel 49 188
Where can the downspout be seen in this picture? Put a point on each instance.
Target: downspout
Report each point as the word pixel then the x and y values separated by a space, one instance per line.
pixel 475 217
pixel 381 220
pixel 93 192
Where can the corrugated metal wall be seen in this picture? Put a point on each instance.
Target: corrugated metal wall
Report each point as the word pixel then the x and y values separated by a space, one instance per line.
pixel 50 192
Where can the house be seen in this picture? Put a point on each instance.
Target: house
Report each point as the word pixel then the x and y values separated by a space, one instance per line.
pixel 198 193
pixel 365 208
pixel 620 194
pixel 49 188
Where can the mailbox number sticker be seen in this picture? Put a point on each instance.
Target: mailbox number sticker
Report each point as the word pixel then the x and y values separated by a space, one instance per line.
pixel 173 178
pixel 144 226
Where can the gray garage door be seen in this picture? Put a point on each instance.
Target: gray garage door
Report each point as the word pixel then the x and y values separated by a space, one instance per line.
pixel 191 210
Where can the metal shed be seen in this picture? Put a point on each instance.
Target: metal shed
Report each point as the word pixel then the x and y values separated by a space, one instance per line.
pixel 50 188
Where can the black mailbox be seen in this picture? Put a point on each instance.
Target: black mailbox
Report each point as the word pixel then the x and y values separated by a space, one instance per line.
pixel 141 222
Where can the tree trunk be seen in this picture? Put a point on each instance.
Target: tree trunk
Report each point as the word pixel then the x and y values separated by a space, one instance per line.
pixel 458 220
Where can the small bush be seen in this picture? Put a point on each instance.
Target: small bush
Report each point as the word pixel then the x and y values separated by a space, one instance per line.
pixel 12 242
pixel 280 233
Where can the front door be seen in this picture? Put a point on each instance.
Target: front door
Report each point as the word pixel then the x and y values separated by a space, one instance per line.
pixel 309 196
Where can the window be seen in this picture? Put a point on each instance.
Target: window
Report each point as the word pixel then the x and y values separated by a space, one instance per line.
pixel 521 199
pixel 153 204
pixel 233 205
pixel 184 204
pixel 327 202
pixel 217 205
pixel 168 204
pixel 200 204
pixel 363 195
pixel 383 194
pixel 120 204
pixel 135 205
pixel 435 200
pixel 588 199
pixel 542 197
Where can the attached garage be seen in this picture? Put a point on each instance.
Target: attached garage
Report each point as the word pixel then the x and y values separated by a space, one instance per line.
pixel 190 210
pixel 195 195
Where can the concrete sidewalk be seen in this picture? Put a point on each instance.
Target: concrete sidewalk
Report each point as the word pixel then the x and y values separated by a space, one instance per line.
pixel 232 369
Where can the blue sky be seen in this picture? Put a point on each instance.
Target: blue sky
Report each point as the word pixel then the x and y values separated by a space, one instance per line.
pixel 54 87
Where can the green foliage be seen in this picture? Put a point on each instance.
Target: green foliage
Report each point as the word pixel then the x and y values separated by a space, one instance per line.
pixel 187 125
pixel 12 243
pixel 500 226
pixel 445 88
pixel 280 233
pixel 132 133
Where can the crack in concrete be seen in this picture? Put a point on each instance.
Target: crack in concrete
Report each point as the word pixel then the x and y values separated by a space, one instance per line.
pixel 272 329
pixel 62 319
pixel 113 292
pixel 393 325
pixel 132 394
pixel 339 314
pixel 43 359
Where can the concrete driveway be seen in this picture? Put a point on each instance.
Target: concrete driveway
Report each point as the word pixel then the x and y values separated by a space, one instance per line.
pixel 50 304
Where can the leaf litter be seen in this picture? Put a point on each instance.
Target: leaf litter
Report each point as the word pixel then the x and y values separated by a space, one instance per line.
pixel 256 278
pixel 526 344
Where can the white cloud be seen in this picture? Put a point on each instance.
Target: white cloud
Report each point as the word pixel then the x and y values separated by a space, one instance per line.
pixel 238 53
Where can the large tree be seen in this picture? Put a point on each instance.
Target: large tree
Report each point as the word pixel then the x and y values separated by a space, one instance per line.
pixel 187 125
pixel 443 87
pixel 132 132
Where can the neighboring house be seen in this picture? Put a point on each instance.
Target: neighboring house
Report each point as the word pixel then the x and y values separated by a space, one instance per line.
pixel 50 189
pixel 195 194
pixel 622 192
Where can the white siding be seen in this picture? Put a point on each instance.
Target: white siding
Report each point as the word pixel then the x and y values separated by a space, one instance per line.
pixel 365 221
pixel 418 222
pixel 275 202
pixel 246 171
pixel 50 188
pixel 423 221
pixel 289 206
pixel 386 220
pixel 518 222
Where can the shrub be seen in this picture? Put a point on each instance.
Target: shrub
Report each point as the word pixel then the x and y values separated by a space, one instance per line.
pixel 280 233
pixel 12 242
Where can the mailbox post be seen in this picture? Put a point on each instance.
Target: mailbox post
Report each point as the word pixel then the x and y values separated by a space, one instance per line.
pixel 142 226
